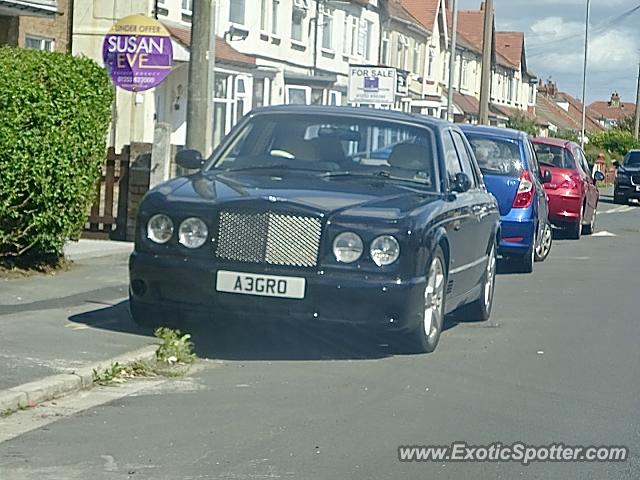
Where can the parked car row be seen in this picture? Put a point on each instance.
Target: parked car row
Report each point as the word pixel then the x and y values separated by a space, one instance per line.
pixel 361 216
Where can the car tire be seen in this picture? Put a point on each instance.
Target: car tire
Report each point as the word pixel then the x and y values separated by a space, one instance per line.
pixel 575 231
pixel 149 316
pixel 589 229
pixel 524 263
pixel 619 199
pixel 544 244
pixel 480 310
pixel 425 337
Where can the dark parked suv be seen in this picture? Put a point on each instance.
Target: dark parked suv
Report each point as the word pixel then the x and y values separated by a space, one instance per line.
pixel 627 182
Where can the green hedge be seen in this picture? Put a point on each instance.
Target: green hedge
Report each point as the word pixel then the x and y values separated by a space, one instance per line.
pixel 54 114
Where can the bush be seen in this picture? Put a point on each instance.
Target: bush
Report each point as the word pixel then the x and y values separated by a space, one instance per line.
pixel 565 134
pixel 55 113
pixel 524 123
pixel 614 141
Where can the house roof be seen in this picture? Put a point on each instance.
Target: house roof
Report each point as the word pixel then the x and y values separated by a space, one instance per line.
pixel 604 110
pixel 510 46
pixel 471 27
pixel 398 11
pixel 224 51
pixel 467 103
pixel 549 112
pixel 425 11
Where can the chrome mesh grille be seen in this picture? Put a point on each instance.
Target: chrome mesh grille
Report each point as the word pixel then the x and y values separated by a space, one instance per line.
pixel 635 179
pixel 273 238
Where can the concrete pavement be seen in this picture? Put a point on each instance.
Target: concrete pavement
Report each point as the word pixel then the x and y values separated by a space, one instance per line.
pixel 559 362
pixel 50 324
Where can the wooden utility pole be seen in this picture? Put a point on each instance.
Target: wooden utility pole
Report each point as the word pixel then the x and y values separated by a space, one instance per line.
pixel 487 48
pixel 637 125
pixel 201 75
pixel 452 60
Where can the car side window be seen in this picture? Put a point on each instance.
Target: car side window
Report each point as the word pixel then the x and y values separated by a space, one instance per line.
pixel 583 162
pixel 465 159
pixel 534 167
pixel 451 160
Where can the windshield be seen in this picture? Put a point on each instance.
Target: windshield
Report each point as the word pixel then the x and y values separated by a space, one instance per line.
pixel 632 159
pixel 554 156
pixel 496 156
pixel 339 146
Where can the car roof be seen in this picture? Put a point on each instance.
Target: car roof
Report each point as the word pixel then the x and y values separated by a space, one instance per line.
pixel 555 142
pixel 363 112
pixel 507 133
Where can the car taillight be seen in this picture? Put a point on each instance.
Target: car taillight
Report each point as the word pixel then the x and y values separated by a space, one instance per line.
pixel 524 197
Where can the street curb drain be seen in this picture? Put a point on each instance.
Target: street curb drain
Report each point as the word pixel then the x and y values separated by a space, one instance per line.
pixel 33 393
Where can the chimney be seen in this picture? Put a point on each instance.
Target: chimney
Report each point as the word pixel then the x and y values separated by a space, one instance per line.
pixel 615 100
pixel 482 7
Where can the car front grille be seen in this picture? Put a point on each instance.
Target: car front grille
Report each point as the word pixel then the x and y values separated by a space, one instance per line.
pixel 635 179
pixel 269 237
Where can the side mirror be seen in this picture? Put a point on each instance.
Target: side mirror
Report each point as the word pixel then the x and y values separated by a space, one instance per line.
pixel 189 159
pixel 546 176
pixel 616 163
pixel 598 176
pixel 462 183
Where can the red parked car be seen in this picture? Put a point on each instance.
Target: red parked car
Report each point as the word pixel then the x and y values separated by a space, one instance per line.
pixel 572 191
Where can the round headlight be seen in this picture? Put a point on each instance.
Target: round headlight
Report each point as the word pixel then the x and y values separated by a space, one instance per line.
pixel 160 228
pixel 193 233
pixel 385 250
pixel 347 247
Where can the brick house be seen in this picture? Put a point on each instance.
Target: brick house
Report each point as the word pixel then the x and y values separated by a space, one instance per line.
pixel 608 114
pixel 39 24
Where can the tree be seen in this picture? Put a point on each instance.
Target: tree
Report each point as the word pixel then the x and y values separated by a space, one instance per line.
pixel 524 123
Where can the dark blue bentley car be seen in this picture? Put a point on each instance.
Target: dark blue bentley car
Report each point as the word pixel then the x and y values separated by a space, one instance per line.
pixel 327 214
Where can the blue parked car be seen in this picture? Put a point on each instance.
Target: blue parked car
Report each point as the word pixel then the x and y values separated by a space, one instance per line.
pixel 512 174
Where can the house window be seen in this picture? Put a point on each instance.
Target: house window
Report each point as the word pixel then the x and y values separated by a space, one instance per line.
pixel 403 51
pixel 236 11
pixel 264 15
pixel 298 95
pixel 464 73
pixel 354 36
pixel 335 98
pixel 417 53
pixel 384 48
pixel 187 7
pixel 327 29
pixel 275 4
pixel 510 88
pixel 532 92
pixel 368 34
pixel 432 57
pixel 297 23
pixel 345 36
pixel 39 43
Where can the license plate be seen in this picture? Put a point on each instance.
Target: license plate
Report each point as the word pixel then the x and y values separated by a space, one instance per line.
pixel 260 285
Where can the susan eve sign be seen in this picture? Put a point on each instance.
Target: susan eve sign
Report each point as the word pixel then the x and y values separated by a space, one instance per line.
pixel 137 52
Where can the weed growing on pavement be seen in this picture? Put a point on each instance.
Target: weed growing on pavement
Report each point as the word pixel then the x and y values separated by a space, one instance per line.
pixel 176 347
pixel 173 358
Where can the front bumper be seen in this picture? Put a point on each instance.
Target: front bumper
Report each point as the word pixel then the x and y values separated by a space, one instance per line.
pixel 627 191
pixel 189 285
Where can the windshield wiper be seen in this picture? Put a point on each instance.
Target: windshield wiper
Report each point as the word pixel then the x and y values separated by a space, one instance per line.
pixel 281 166
pixel 383 174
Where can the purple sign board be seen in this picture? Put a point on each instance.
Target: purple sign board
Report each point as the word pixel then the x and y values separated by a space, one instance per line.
pixel 138 54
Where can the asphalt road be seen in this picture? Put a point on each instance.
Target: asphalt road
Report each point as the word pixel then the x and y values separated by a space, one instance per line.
pixel 559 362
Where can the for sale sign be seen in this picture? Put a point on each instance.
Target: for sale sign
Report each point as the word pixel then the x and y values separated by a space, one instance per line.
pixel 137 52
pixel 372 85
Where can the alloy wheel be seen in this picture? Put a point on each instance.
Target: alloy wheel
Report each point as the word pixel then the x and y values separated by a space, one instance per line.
pixel 490 279
pixel 544 246
pixel 434 299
